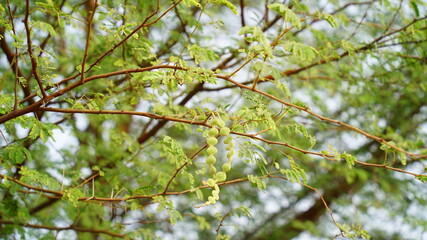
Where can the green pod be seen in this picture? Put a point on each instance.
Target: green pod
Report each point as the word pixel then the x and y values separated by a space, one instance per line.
pixel 211 150
pixel 212 170
pixel 220 176
pixel 213 132
pixel 212 141
pixel 226 167
pixel 225 131
pixel 210 160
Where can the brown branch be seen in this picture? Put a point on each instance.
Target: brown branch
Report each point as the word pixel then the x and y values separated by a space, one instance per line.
pixel 394 17
pixel 318 193
pixel 123 112
pixel 49 36
pixel 222 220
pixel 71 227
pixel 30 51
pixel 58 193
pixel 253 136
pixel 197 88
pixel 145 136
pixel 88 180
pixel 360 22
pixel 242 12
pixel 92 10
pixel 98 60
pixel 13 61
pixel 304 109
pixel 351 4
pixel 44 205
pixel 11 20
pixel 34 107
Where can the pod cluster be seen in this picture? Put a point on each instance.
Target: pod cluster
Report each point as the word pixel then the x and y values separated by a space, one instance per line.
pixel 211 141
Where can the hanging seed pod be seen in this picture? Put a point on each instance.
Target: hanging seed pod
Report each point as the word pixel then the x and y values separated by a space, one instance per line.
pixel 225 131
pixel 211 150
pixel 212 141
pixel 226 167
pixel 210 160
pixel 220 176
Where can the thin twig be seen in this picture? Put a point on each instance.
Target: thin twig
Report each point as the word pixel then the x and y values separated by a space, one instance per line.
pixel 253 136
pixel 318 193
pixel 222 220
pixel 30 50
pixel 182 166
pixel 89 28
pixel 71 227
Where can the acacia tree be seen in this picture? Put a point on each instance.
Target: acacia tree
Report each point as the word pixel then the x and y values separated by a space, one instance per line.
pixel 144 119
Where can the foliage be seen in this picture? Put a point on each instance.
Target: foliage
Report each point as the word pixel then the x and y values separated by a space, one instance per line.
pixel 213 119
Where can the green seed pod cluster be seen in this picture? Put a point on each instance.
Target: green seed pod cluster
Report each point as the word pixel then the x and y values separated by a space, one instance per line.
pixel 215 195
pixel 228 141
pixel 212 141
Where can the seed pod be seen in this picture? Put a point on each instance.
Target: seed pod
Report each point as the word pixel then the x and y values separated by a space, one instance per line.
pixel 228 140
pixel 211 200
pixel 231 153
pixel 229 146
pixel 221 123
pixel 211 150
pixel 215 194
pixel 215 122
pixel 212 170
pixel 220 176
pixel 211 182
pixel 210 160
pixel 213 132
pixel 212 141
pixel 226 167
pixel 225 131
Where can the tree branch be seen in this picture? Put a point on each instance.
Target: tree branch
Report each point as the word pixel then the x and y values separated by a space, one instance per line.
pixel 71 227
pixel 30 51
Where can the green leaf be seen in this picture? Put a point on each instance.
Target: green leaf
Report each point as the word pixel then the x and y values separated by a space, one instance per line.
pixel 257 35
pixel 329 18
pixel 203 224
pixel 134 100
pixel 44 26
pixel 200 54
pixel 296 173
pixel 35 177
pixel 188 3
pixel 227 4
pixel 415 7
pixel 243 210
pixel 166 204
pixel 335 152
pixel 42 130
pixel 422 178
pixel 351 160
pixel 300 50
pixel 73 195
pixel 173 151
pixel 402 157
pixel 16 154
pixel 286 13
pixel 258 182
